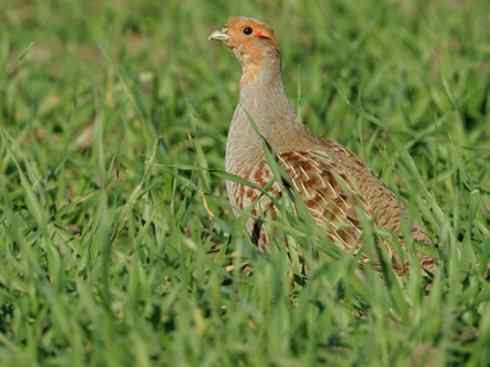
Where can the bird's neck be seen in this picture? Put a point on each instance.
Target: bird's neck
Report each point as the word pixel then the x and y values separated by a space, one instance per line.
pixel 263 106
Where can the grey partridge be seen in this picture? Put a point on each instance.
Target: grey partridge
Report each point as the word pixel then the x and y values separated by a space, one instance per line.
pixel 331 180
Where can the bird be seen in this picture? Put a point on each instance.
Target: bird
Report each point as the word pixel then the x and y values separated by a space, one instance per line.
pixel 333 182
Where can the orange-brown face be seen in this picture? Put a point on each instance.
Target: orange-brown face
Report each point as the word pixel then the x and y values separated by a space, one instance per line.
pixel 247 37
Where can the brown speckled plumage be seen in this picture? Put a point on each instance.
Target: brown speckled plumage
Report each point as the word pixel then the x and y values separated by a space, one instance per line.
pixel 332 181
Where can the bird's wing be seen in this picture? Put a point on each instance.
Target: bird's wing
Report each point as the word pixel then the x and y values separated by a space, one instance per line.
pixel 334 192
pixel 334 184
pixel 327 192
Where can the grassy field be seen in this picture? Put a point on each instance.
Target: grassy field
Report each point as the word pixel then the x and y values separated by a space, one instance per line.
pixel 117 244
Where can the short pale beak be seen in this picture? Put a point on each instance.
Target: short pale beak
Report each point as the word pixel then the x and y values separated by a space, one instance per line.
pixel 221 35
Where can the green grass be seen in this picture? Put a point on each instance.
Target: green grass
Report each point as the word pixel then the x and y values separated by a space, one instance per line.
pixel 116 237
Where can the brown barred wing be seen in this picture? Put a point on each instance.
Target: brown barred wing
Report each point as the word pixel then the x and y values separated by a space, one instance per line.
pixel 326 191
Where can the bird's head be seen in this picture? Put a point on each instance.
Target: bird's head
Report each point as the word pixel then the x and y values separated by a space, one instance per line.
pixel 252 41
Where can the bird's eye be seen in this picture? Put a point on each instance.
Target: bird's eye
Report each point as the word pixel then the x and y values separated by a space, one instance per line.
pixel 248 31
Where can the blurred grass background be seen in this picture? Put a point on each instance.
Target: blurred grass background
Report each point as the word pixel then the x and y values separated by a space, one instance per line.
pixel 117 244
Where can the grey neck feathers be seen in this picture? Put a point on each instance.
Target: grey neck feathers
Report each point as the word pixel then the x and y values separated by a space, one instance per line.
pixel 262 100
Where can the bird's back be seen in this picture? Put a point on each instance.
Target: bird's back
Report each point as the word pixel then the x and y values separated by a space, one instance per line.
pixel 334 185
